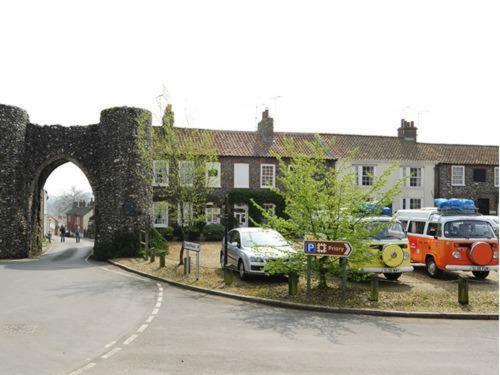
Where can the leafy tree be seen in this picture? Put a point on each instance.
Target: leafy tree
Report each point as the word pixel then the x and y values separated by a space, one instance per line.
pixel 323 201
pixel 189 154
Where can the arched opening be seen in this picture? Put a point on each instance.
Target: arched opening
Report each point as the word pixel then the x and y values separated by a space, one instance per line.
pixel 61 197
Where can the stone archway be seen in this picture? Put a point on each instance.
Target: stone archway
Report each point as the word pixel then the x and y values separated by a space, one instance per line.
pixel 114 155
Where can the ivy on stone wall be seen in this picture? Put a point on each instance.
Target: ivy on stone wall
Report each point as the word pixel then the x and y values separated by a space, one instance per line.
pixel 245 196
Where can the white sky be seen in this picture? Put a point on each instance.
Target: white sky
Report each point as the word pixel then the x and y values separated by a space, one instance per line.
pixel 344 66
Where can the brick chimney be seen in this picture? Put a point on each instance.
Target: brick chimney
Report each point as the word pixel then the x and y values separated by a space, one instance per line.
pixel 407 131
pixel 75 204
pixel 82 203
pixel 91 203
pixel 266 127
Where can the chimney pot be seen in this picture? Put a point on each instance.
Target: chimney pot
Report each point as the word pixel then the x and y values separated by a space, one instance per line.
pixel 407 131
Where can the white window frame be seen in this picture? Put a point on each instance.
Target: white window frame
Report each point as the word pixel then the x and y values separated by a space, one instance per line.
pixel 454 169
pixel 262 166
pixel 237 181
pixel 359 174
pixel 212 213
pixel 406 171
pixel 213 181
pixel 156 167
pixel 269 207
pixel 495 181
pixel 165 213
pixel 406 203
pixel 188 179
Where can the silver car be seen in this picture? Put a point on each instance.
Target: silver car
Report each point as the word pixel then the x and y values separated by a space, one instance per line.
pixel 248 249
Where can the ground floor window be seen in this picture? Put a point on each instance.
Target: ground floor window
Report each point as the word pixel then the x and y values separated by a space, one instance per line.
pixel 411 203
pixel 185 217
pixel 270 208
pixel 213 214
pixel 160 210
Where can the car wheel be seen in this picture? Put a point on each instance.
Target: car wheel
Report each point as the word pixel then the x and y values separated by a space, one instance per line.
pixel 392 276
pixel 241 270
pixel 480 275
pixel 432 268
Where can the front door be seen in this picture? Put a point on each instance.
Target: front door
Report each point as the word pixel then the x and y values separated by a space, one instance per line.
pixel 483 206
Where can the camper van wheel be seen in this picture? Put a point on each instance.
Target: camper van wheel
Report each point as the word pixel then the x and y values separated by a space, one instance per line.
pixel 432 268
pixel 392 276
pixel 480 274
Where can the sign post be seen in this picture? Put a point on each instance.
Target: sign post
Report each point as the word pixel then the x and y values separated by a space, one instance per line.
pixel 193 246
pixel 339 249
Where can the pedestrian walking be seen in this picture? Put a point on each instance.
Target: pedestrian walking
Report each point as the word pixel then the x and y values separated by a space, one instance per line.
pixel 49 236
pixel 62 231
pixel 77 234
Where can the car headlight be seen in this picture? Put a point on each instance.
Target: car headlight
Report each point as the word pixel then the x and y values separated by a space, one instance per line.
pixel 456 254
pixel 495 255
pixel 256 260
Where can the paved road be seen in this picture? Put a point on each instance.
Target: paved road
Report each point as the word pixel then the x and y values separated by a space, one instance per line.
pixel 60 315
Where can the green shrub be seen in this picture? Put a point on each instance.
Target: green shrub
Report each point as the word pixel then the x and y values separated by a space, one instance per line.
pixel 157 241
pixel 213 232
pixel 167 233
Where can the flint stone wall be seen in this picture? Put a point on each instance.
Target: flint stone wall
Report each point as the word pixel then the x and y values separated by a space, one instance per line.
pixel 113 155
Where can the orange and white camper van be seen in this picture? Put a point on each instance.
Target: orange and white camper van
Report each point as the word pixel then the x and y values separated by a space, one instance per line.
pixel 451 236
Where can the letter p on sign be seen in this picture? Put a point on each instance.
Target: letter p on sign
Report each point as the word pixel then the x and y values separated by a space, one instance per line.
pixel 311 247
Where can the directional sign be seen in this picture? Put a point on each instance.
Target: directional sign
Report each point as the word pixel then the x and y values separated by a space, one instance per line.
pixel 328 248
pixel 192 246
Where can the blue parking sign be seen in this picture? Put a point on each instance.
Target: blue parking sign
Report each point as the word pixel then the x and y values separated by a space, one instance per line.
pixel 311 247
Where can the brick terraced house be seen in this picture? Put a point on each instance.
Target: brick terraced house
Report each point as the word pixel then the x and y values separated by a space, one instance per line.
pixel 247 168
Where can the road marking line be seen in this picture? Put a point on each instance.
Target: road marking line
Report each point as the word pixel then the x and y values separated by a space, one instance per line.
pixel 130 339
pixel 117 272
pixel 155 311
pixel 158 304
pixel 142 328
pixel 110 344
pixel 110 353
pixel 160 294
pixel 159 285
pixel 82 369
pixel 150 319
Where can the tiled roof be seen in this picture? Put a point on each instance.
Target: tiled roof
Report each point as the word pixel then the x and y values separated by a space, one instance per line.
pixel 250 143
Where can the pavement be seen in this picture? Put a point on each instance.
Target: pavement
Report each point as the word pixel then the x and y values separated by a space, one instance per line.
pixel 64 314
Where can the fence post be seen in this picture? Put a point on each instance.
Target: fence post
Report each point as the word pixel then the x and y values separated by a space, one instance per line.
pixel 374 288
pixel 162 260
pixel 187 264
pixel 293 284
pixel 463 290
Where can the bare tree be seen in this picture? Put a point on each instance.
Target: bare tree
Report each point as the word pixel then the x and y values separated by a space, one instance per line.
pixel 65 202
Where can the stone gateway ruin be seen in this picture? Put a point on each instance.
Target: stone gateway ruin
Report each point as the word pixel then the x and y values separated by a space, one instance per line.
pixel 114 154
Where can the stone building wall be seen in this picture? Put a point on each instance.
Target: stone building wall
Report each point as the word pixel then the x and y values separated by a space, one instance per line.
pixel 114 155
pixel 471 190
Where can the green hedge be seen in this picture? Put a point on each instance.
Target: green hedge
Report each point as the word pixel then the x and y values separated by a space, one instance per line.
pixel 213 232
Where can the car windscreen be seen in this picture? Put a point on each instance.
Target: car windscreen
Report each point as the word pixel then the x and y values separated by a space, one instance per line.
pixel 389 232
pixel 468 229
pixel 262 238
